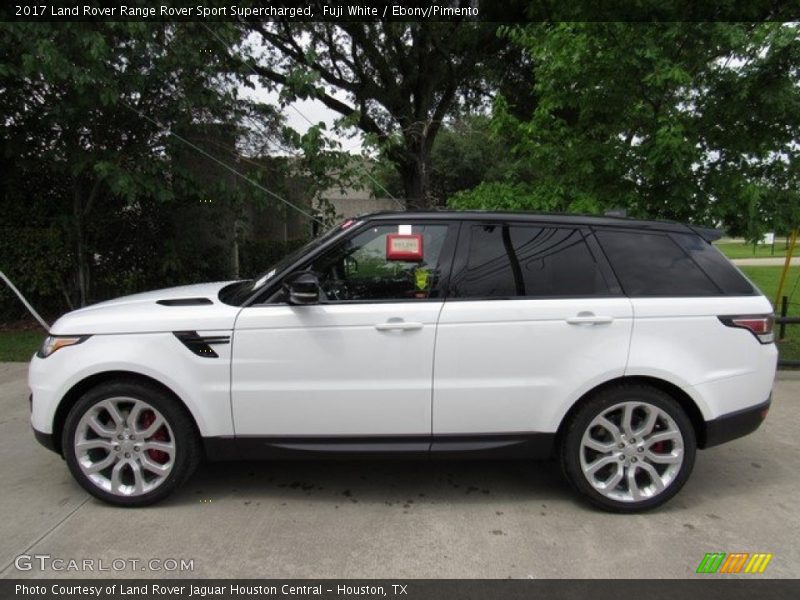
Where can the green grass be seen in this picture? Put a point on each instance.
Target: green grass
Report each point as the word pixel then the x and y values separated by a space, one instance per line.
pixel 767 278
pixel 19 345
pixel 742 250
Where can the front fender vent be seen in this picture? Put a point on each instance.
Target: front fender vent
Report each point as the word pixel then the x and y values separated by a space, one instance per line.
pixel 201 344
pixel 184 302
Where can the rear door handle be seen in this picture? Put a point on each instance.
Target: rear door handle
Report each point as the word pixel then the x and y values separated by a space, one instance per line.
pixel 398 326
pixel 589 319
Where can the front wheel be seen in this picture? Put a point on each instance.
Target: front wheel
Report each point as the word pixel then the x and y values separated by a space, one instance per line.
pixel 629 448
pixel 129 443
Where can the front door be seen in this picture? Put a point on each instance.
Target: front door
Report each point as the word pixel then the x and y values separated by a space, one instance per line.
pixel 359 363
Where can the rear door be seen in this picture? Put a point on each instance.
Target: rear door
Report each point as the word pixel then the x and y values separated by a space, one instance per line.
pixel 533 319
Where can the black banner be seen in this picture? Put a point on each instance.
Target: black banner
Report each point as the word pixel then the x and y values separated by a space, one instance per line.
pixel 410 589
pixel 507 11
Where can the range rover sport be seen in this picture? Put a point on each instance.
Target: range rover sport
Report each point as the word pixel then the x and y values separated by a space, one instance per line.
pixel 618 346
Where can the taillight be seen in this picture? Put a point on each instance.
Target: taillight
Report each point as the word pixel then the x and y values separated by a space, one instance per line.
pixel 759 325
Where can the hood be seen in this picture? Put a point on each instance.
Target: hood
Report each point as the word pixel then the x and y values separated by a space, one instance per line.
pixel 185 308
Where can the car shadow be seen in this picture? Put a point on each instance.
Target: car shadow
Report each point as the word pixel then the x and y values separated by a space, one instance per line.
pixel 390 482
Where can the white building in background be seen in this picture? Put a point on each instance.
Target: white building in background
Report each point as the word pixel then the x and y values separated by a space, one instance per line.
pixel 351 202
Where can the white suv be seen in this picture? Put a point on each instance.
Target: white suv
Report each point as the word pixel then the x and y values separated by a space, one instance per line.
pixel 618 345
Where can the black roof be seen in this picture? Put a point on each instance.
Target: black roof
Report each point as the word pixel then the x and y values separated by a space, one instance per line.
pixel 556 218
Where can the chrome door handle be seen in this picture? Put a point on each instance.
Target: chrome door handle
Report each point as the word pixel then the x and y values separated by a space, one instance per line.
pixel 589 319
pixel 398 326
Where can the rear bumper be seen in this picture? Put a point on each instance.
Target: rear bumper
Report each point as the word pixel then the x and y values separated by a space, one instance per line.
pixel 734 425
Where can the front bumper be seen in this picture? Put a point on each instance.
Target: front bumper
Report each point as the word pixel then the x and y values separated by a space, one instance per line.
pixel 46 440
pixel 734 425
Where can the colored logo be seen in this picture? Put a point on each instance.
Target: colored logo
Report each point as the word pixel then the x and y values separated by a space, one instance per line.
pixel 736 562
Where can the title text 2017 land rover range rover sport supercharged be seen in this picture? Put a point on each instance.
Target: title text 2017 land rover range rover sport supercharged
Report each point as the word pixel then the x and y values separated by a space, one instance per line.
pixel 619 346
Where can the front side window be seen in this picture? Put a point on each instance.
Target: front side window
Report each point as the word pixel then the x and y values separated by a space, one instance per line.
pixel 383 263
pixel 517 260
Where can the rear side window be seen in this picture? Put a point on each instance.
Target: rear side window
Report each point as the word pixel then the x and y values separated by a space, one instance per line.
pixel 653 264
pixel 715 265
pixel 506 260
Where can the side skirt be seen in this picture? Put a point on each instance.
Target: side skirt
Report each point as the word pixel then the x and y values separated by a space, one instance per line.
pixel 480 446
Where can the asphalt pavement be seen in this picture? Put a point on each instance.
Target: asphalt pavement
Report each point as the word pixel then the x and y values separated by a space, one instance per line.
pixel 396 519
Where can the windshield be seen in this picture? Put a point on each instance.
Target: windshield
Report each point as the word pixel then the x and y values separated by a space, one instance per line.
pixel 238 292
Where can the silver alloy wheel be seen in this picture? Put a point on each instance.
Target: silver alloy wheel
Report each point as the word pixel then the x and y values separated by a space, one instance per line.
pixel 125 446
pixel 631 451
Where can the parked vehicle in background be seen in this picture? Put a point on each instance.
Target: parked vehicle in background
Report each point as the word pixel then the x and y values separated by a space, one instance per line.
pixel 619 346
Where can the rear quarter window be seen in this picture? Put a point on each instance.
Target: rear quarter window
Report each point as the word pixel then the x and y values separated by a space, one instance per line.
pixel 654 264
pixel 714 264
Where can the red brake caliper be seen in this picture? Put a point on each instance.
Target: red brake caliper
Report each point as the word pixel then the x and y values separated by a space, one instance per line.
pixel 159 456
pixel 659 447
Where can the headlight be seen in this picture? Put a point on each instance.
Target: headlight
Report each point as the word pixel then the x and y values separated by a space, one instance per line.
pixel 56 342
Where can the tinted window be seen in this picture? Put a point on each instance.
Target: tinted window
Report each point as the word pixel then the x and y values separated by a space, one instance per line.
pixel 520 260
pixel 361 269
pixel 652 264
pixel 718 268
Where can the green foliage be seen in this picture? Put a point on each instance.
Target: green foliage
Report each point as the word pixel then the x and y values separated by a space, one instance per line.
pixel 688 121
pixel 107 201
pixel 519 197
pixel 258 255
pixel 395 81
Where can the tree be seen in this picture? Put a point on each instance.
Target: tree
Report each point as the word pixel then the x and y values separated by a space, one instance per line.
pixel 465 155
pixel 91 106
pixel 688 121
pixel 400 80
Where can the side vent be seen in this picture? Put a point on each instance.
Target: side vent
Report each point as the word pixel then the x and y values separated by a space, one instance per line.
pixel 201 344
pixel 184 302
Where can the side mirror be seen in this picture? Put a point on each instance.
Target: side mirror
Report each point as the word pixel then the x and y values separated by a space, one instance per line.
pixel 302 288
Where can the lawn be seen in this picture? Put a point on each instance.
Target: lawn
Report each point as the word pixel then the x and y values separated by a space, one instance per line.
pixel 766 278
pixel 742 250
pixel 19 345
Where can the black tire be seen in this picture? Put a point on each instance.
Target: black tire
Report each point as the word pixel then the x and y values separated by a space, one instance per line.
pixel 187 447
pixel 571 446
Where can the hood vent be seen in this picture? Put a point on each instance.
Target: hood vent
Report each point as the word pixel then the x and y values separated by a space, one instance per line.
pixel 201 344
pixel 184 302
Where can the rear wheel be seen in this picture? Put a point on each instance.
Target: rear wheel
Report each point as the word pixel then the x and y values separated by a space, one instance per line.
pixel 129 443
pixel 629 448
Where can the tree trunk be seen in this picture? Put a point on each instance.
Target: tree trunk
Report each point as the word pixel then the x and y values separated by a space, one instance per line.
pixel 80 211
pixel 80 246
pixel 415 173
pixel 235 250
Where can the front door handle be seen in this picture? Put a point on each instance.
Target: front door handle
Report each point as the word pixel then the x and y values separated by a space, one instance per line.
pixel 589 319
pixel 398 326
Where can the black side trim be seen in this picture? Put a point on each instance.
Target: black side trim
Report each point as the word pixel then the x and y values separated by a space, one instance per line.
pixel 46 440
pixel 512 445
pixel 221 448
pixel 184 302
pixel 201 344
pixel 483 446
pixel 734 425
